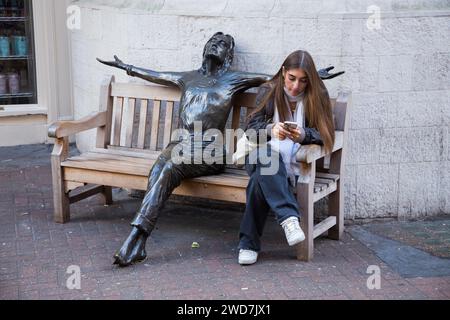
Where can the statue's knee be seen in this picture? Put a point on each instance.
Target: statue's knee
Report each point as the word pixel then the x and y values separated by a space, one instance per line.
pixel 169 166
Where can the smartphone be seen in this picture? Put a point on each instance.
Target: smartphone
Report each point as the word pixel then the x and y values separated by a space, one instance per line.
pixel 289 125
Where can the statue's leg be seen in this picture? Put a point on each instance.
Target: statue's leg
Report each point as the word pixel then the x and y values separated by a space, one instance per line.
pixel 165 176
pixel 133 249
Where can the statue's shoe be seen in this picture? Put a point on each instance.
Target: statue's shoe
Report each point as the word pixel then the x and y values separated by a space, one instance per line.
pixel 121 262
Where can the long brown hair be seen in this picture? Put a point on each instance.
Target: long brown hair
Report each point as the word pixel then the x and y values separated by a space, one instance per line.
pixel 316 101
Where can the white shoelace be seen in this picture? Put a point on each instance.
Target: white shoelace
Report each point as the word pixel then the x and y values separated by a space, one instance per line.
pixel 291 227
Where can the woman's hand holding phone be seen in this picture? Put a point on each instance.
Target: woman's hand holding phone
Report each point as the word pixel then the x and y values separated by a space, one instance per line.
pixel 279 132
pixel 294 132
pixel 285 130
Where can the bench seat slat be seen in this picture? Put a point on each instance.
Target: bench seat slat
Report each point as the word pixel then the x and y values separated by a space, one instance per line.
pixel 322 175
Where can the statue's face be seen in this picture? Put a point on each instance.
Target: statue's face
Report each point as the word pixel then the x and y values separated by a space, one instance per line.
pixel 218 47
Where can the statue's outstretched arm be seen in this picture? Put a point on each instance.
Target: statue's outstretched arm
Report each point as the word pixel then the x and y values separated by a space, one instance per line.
pixel 325 74
pixel 164 78
pixel 262 78
pixel 251 80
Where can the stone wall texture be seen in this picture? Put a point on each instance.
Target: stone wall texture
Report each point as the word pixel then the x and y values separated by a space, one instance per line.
pixel 398 160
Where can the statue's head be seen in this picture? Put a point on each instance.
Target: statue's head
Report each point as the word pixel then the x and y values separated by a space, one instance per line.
pixel 221 48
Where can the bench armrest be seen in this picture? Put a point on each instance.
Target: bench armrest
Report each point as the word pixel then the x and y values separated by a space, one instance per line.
pixel 63 129
pixel 313 152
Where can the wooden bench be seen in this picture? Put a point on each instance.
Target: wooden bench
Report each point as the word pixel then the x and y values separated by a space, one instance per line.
pixel 131 131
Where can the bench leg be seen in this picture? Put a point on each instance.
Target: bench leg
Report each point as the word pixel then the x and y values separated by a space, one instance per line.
pixel 335 207
pixel 305 192
pixel 61 201
pixel 61 204
pixel 107 195
pixel 336 199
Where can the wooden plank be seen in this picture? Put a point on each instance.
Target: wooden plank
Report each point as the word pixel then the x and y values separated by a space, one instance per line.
pixel 333 102
pixel 305 194
pixel 112 179
pixel 129 153
pixel 215 192
pixel 340 111
pixel 168 123
pixel 89 192
pixel 222 181
pixel 142 124
pixel 236 118
pixel 322 186
pixel 121 148
pixel 324 192
pixel 337 165
pixel 70 185
pixel 240 172
pixel 155 125
pixel 326 182
pixel 108 166
pixel 324 226
pixel 113 158
pixel 107 195
pixel 313 152
pixel 187 187
pixel 130 122
pixel 147 92
pixel 106 105
pixel 235 123
pixel 245 100
pixel 317 188
pixel 63 129
pixel 323 175
pixel 336 200
pixel 239 178
pixel 118 111
pixel 61 203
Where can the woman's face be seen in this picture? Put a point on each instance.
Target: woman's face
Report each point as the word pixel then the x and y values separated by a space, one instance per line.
pixel 295 81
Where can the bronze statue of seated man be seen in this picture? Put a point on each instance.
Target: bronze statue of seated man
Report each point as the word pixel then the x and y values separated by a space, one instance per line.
pixel 206 98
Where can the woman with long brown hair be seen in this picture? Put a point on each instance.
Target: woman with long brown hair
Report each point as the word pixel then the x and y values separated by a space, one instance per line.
pixel 294 109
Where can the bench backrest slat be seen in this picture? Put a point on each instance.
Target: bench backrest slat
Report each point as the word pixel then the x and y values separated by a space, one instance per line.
pixel 155 125
pixel 149 92
pixel 168 122
pixel 117 114
pixel 340 111
pixel 142 130
pixel 130 122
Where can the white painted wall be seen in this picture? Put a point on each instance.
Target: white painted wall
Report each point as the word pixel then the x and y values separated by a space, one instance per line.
pixel 399 159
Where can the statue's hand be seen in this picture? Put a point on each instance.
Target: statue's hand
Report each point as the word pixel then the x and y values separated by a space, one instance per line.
pixel 117 63
pixel 326 75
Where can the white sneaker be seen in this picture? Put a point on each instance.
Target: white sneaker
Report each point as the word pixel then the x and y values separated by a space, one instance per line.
pixel 247 257
pixel 294 233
